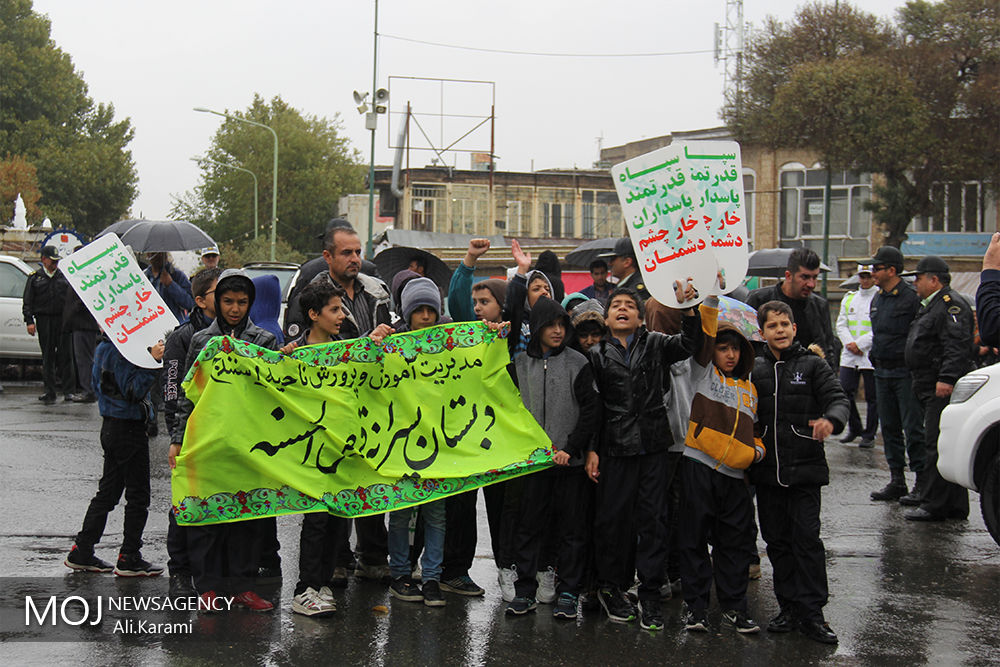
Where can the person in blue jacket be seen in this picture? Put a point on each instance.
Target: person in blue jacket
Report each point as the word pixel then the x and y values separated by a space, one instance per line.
pixel 123 399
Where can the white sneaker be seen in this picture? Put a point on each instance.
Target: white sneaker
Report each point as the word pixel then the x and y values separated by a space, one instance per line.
pixel 310 603
pixel 546 592
pixel 506 576
pixel 326 593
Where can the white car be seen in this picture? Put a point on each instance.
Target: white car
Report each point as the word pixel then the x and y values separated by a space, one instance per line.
pixel 15 343
pixel 969 444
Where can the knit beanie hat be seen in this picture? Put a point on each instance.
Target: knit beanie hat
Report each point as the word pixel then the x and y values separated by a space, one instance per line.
pixel 420 292
pixel 497 287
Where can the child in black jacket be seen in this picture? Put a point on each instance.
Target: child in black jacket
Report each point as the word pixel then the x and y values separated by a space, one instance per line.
pixel 800 404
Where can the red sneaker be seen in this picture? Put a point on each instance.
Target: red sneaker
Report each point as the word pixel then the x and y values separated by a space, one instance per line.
pixel 253 602
pixel 211 602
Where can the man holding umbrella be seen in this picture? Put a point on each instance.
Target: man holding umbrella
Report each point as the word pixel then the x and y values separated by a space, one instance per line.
pixel 172 284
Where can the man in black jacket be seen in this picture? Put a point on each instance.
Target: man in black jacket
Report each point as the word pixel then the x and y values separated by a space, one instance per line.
pixel 938 352
pixel 632 369
pixel 625 268
pixel 42 307
pixel 82 328
pixel 899 412
pixel 812 312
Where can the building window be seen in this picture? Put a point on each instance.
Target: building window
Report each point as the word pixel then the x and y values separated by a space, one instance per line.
pixel 427 201
pixel 749 185
pixel 802 209
pixel 610 221
pixel 958 207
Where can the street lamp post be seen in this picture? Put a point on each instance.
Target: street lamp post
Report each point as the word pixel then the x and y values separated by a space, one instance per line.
pixel 274 190
pixel 256 225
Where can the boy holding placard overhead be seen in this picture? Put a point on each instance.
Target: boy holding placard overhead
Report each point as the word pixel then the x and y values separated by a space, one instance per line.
pixel 632 369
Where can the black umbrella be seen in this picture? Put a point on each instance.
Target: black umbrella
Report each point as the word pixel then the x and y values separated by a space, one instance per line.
pixel 393 260
pixel 165 236
pixel 772 262
pixel 119 227
pixel 588 252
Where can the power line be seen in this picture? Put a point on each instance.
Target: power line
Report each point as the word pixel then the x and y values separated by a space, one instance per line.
pixel 548 55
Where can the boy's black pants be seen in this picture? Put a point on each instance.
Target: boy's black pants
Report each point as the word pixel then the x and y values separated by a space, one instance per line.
pixel 224 557
pixel 553 530
pixel 178 558
pixel 631 508
pixel 126 469
pixel 321 538
pixel 373 539
pixel 462 529
pixel 714 506
pixel 789 523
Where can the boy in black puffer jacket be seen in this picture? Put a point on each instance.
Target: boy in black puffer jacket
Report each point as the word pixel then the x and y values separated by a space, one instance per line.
pixel 800 404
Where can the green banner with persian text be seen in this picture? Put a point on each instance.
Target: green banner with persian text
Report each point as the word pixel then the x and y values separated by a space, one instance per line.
pixel 351 427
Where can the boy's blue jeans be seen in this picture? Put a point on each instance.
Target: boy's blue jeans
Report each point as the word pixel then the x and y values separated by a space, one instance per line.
pixel 433 516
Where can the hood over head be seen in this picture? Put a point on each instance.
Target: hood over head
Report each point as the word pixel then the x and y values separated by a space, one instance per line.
pixel 532 275
pixel 747 353
pixel 267 304
pixel 229 280
pixel 418 292
pixel 548 262
pixel 544 313
pixel 399 281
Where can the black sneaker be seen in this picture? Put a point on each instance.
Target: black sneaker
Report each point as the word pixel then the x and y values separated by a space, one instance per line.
pixel 520 606
pixel 616 605
pixel 650 617
pixel 565 606
pixel 432 593
pixel 405 589
pixel 80 562
pixel 181 586
pixel 740 621
pixel 132 565
pixel 463 585
pixel 339 578
pixel 695 621
pixel 267 575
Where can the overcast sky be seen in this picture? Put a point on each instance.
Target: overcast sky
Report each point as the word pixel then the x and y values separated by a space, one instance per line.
pixel 155 61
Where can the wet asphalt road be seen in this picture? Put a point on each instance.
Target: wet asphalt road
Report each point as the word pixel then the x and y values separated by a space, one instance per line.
pixel 901 593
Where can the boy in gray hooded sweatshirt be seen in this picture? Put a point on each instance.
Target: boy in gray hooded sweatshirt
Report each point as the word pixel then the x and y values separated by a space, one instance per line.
pixel 557 386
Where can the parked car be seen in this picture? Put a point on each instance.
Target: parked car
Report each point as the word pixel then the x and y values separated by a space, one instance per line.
pixel 287 273
pixel 969 444
pixel 15 343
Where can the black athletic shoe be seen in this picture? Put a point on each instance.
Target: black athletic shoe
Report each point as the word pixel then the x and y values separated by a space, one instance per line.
pixel 741 622
pixel 432 593
pixel 86 563
pixel 565 606
pixel 132 565
pixel 463 585
pixel 405 589
pixel 695 621
pixel 616 605
pixel 520 606
pixel 650 617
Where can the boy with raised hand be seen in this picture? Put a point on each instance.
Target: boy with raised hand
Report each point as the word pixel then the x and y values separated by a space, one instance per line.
pixel 224 556
pixel 176 350
pixel 632 369
pixel 715 502
pixel 322 533
pixel 123 400
pixel 421 306
pixel 557 386
pixel 801 403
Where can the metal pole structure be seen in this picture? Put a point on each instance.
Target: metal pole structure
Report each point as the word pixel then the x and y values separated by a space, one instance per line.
pixel 826 225
pixel 256 224
pixel 371 161
pixel 274 190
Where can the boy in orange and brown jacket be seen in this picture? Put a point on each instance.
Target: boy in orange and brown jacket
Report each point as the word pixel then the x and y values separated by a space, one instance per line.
pixel 720 446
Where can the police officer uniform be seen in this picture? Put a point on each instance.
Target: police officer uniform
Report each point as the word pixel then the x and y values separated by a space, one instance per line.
pixel 939 349
pixel 623 248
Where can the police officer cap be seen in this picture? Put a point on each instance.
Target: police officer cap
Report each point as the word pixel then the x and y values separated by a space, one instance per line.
pixel 888 256
pixel 929 264
pixel 50 251
pixel 623 248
